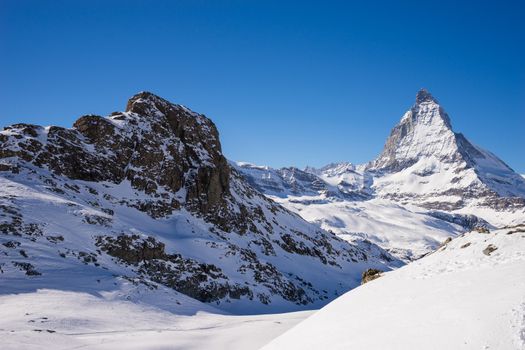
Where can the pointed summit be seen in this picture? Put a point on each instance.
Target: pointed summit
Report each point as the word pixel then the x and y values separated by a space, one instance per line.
pixel 424 131
pixel 424 96
pixel 424 142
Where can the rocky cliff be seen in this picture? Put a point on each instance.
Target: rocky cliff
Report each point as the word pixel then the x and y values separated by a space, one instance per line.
pixel 146 196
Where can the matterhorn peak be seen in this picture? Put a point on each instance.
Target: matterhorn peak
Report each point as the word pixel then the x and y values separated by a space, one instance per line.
pixel 424 96
pixel 427 110
pixel 423 131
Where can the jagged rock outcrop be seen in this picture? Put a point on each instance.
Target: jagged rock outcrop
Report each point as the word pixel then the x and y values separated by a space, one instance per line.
pixel 370 275
pixel 147 195
pixel 468 221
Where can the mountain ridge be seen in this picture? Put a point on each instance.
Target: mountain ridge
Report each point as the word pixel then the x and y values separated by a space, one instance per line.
pixel 146 196
pixel 425 168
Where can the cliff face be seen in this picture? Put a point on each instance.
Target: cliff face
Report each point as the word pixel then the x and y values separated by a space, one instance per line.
pixel 153 144
pixel 148 195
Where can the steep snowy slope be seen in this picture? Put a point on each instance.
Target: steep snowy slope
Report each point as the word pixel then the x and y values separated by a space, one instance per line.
pixel 330 201
pixel 429 183
pixel 470 294
pixel 146 196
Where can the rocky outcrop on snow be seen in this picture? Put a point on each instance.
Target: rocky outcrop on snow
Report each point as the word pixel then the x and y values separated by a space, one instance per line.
pixel 468 221
pixel 370 275
pixel 146 195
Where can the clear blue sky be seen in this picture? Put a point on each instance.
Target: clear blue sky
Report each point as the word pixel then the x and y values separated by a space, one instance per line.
pixel 287 82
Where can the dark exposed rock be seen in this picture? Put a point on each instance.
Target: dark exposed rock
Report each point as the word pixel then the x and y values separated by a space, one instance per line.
pixel 447 241
pixel 481 229
pixel 468 222
pixel 489 249
pixel 131 248
pixel 370 275
pixel 28 268
pixel 204 282
pixel 155 145
pixel 11 244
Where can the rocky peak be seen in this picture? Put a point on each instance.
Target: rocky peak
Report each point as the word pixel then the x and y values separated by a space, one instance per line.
pixel 155 145
pixel 424 147
pixel 148 104
pixel 209 234
pixel 424 130
pixel 424 96
pixel 427 111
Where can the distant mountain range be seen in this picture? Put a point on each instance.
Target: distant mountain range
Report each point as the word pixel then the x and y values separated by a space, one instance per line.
pixel 428 183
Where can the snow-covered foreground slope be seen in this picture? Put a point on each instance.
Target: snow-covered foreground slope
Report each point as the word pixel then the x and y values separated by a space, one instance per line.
pixel 51 319
pixel 470 294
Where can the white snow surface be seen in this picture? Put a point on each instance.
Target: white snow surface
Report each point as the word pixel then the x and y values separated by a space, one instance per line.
pixel 459 297
pixel 405 233
pixel 54 319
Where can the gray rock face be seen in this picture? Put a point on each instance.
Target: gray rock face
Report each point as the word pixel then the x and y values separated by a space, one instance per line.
pixel 468 222
pixel 370 275
pixel 425 130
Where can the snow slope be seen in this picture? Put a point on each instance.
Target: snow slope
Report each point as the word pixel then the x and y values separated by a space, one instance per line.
pixel 464 296
pixel 47 319
pixel 407 232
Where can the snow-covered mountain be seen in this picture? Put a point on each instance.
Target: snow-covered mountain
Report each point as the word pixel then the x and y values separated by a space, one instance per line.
pixel 470 294
pixel 425 162
pixel 429 183
pixel 143 205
